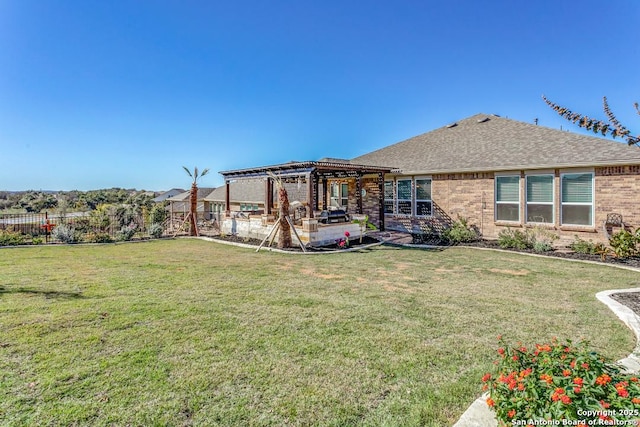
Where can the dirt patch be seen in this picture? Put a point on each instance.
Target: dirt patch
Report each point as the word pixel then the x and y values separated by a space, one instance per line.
pixel 403 266
pixel 398 287
pixel 448 270
pixel 511 272
pixel 314 273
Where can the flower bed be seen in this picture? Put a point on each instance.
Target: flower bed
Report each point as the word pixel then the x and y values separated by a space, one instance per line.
pixel 560 382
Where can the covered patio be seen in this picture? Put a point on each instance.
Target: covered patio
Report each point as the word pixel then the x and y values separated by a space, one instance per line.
pixel 325 196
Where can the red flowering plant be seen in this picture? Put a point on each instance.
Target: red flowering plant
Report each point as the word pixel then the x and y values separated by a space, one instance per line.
pixel 344 243
pixel 560 381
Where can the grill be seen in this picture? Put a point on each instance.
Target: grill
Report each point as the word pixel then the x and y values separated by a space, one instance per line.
pixel 330 217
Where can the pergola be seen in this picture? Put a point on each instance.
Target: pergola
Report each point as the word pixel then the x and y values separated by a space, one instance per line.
pixel 316 175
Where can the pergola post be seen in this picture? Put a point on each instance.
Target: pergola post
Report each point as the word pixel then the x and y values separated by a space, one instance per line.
pixel 324 194
pixel 227 198
pixel 359 193
pixel 316 192
pixel 381 199
pixel 268 196
pixel 310 195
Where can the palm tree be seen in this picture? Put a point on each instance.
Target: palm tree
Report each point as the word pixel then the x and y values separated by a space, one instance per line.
pixel 284 232
pixel 193 198
pixel 284 237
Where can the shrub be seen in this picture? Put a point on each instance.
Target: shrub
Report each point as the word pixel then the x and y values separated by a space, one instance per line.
pixel 97 237
pixel 126 233
pixel 37 240
pixel 543 239
pixel 123 215
pixel 156 230
pixel 11 238
pixel 81 224
pixel 625 243
pixel 100 218
pixel 158 214
pixel 65 233
pixel 516 239
pixel 559 382
pixel 542 247
pixel 582 246
pixel 461 232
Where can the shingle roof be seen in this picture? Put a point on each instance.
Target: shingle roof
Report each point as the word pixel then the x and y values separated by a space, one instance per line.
pixel 202 193
pixel 490 143
pixel 244 190
pixel 170 193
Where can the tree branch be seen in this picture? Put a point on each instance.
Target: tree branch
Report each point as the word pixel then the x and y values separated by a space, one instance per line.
pixel 613 128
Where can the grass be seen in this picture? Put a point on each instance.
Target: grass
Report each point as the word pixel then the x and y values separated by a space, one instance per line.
pixel 188 332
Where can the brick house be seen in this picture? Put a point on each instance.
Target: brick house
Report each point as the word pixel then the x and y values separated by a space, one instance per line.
pixel 500 173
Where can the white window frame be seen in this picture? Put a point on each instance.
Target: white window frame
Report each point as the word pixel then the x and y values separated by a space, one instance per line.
pixel 519 202
pixel 593 198
pixel 415 195
pixel 410 199
pixel 393 196
pixel 552 203
pixel 344 198
pixel 336 194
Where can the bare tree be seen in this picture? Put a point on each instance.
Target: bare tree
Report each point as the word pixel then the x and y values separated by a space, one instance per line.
pixel 613 127
pixel 193 198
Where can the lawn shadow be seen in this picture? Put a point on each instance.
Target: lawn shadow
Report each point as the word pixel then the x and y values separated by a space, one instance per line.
pixel 46 294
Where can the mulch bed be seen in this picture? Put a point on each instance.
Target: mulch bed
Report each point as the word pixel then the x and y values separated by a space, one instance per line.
pixel 630 262
pixel 630 299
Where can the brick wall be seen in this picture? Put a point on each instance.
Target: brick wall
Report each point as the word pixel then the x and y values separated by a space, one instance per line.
pixel 471 195
pixel 617 191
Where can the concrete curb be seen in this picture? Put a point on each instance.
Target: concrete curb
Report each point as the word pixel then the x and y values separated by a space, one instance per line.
pixel 631 363
pixel 247 246
pixel 479 414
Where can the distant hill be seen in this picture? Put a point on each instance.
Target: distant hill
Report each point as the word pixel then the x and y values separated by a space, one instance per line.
pixel 39 200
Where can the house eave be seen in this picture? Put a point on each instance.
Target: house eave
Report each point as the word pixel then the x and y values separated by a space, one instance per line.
pixel 498 168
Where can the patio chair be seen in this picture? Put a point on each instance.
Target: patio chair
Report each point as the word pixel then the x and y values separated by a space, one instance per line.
pixel 613 220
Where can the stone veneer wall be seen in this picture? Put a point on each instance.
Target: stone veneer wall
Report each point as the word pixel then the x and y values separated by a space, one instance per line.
pixel 370 202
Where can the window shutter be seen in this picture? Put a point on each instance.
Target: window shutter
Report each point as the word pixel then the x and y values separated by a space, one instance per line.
pixel 540 189
pixel 577 188
pixel 508 189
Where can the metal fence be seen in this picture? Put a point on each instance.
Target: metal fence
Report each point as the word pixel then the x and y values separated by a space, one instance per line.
pixel 93 227
pixel 85 226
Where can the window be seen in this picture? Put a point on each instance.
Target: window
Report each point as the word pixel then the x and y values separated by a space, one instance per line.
pixel 339 194
pixel 540 198
pixel 404 197
pixel 508 198
pixel 388 197
pixel 423 197
pixel 577 199
pixel 344 194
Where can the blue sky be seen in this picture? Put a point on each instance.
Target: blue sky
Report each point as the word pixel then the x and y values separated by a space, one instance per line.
pixel 99 94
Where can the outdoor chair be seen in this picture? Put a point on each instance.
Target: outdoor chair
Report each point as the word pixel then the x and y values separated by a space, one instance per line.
pixel 614 220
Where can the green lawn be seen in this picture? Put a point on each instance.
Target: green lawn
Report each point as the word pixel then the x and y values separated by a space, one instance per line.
pixel 187 332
